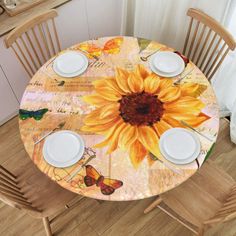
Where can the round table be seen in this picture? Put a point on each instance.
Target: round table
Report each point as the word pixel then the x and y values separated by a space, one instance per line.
pixel 109 106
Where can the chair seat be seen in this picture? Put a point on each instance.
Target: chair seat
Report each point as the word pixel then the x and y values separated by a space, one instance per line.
pixel 206 189
pixel 45 194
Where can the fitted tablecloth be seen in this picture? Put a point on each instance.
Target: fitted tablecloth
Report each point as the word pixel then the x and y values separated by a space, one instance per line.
pixel 120 108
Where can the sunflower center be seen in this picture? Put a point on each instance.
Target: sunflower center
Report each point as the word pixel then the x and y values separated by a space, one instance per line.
pixel 141 108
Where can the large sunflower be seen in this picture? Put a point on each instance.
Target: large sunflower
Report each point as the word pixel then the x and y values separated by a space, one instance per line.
pixel 133 109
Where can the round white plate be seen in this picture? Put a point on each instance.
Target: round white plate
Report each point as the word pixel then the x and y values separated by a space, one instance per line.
pixel 166 64
pixel 180 146
pixel 70 64
pixel 63 148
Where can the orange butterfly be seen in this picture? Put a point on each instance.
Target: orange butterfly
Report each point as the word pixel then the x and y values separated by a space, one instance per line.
pixel 107 186
pixel 112 46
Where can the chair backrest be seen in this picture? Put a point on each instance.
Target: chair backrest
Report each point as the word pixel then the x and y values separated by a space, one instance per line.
pixel 11 192
pixel 35 41
pixel 227 211
pixel 207 42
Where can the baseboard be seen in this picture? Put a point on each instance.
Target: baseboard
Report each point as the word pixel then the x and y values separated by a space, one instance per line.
pixel 15 113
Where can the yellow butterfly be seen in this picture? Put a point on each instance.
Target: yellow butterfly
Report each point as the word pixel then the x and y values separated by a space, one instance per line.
pixel 112 46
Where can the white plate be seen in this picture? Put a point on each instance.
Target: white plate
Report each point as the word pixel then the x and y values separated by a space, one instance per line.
pixel 70 64
pixel 63 148
pixel 167 62
pixel 165 65
pixel 180 146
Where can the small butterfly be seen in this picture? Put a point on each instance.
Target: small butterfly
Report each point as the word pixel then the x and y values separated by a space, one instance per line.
pixel 37 115
pixel 107 186
pixel 112 46
pixel 185 59
pixel 60 83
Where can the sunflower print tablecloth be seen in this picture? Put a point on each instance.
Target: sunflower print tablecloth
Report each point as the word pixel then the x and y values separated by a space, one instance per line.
pixel 120 108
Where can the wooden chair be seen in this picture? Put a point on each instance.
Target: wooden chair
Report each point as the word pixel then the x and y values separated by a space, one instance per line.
pixel 207 42
pixel 208 198
pixel 35 41
pixel 30 190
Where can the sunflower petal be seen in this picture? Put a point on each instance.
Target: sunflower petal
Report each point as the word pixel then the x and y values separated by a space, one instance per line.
pixel 184 105
pixel 122 80
pixel 148 137
pixel 108 139
pixel 92 117
pixel 112 108
pixel 171 121
pixel 161 127
pixel 151 83
pixel 191 119
pixel 192 89
pixel 135 83
pixel 100 128
pixel 95 100
pixel 113 138
pixel 165 83
pixel 137 153
pixel 169 94
pixel 109 94
pixel 175 118
pixel 129 135
pixel 113 84
pixel 141 71
pixel 198 120
pixel 108 82
pixel 99 83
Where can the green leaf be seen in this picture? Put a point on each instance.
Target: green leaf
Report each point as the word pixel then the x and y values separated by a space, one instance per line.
pixel 209 152
pixel 143 43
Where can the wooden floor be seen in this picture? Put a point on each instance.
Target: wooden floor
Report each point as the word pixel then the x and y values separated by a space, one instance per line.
pixel 91 218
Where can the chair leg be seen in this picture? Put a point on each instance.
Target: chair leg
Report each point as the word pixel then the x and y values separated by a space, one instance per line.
pixel 47 226
pixel 201 231
pixel 153 205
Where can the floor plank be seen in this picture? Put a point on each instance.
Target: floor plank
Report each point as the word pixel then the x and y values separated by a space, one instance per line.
pixel 75 217
pixel 24 226
pixel 159 224
pixel 83 229
pixel 9 216
pixel 10 141
pixel 132 221
pixel 107 214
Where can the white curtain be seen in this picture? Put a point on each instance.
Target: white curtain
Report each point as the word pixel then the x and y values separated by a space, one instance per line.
pixel 166 21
